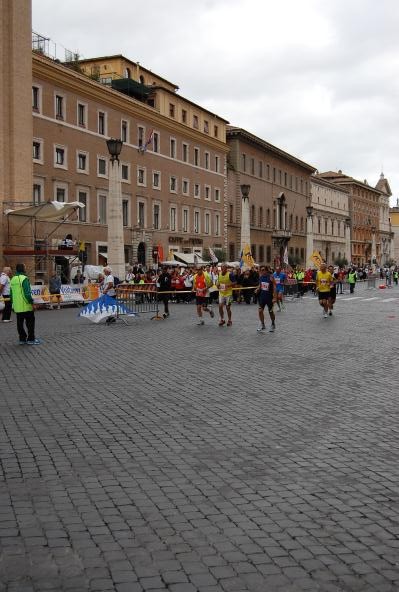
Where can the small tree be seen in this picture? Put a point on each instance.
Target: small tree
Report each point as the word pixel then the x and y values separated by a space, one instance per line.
pixel 341 261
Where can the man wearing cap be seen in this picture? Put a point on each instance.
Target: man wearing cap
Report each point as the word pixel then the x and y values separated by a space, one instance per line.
pixel 108 284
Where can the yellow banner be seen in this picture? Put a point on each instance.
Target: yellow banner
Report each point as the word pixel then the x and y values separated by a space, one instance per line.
pixel 317 259
pixel 247 258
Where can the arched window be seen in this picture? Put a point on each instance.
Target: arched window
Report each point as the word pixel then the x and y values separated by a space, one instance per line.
pixel 127 73
pixel 141 79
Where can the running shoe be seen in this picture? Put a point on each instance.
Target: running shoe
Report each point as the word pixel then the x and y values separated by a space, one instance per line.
pixel 325 315
pixel 272 328
pixel 330 313
pixel 229 323
pixel 34 342
pixel 212 314
pixel 201 322
pixel 221 322
pixel 22 342
pixel 261 329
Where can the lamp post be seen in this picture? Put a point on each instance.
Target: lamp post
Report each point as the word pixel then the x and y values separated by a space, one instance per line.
pixel 245 221
pixel 348 250
pixel 115 238
pixel 309 233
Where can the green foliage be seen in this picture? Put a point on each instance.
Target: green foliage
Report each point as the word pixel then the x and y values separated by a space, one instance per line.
pixel 341 261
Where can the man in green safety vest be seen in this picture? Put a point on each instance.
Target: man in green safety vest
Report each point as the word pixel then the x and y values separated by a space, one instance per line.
pixel 352 280
pixel 22 304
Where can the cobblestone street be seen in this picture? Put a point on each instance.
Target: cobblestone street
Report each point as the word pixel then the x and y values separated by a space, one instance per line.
pixel 162 455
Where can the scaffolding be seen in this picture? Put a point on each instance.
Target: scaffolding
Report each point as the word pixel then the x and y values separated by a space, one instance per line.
pixel 41 243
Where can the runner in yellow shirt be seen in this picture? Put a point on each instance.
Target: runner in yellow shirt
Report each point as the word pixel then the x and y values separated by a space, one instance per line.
pixel 324 279
pixel 225 283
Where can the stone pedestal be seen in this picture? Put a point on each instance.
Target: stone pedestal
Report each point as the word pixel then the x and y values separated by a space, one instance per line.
pixel 116 243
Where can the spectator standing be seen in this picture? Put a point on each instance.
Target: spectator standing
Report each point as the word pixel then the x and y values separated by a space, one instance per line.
pixel 55 290
pixel 164 286
pixel 352 280
pixel 5 293
pixel 23 306
pixel 109 282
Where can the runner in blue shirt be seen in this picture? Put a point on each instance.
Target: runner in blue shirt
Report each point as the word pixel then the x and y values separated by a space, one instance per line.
pixel 279 277
pixel 266 292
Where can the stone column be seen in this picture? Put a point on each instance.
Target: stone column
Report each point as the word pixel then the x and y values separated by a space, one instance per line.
pixel 309 234
pixel 245 217
pixel 116 243
pixel 373 247
pixel 348 251
pixel 16 122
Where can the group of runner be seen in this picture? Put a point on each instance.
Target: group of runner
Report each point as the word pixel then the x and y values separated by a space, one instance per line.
pixel 270 291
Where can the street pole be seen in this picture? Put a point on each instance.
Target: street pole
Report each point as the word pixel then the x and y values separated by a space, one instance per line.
pixel 115 238
pixel 245 220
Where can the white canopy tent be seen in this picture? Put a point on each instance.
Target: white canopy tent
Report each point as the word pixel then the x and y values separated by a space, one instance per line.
pixel 50 211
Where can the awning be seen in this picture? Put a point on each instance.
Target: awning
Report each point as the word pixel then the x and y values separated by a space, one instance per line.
pixel 189 258
pixel 49 210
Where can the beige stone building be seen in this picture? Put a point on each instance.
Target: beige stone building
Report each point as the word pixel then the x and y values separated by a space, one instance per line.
pixel 173 160
pixel 279 195
pixel 364 208
pixel 386 234
pixel 330 220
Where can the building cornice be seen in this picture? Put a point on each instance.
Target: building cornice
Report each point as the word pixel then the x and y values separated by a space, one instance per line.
pixel 239 133
pixel 341 179
pixel 329 184
pixel 58 74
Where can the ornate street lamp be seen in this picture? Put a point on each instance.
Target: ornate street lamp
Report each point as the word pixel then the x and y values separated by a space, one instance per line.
pixel 245 190
pixel 309 211
pixel 114 148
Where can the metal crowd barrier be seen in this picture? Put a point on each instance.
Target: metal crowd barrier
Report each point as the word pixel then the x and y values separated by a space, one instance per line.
pixel 293 290
pixel 137 298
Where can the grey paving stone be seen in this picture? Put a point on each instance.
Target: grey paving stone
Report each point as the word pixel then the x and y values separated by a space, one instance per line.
pixel 153 477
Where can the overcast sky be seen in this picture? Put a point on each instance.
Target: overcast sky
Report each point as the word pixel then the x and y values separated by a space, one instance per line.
pixel 317 78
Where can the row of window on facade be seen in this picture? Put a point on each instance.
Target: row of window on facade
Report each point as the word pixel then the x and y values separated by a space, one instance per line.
pixel 329 227
pixel 275 175
pixel 189 220
pixel 150 139
pixel 82 166
pixel 174 112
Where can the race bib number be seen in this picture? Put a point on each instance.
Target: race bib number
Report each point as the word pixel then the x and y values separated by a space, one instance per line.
pixel 323 282
pixel 223 287
pixel 201 292
pixel 264 285
pixel 277 280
